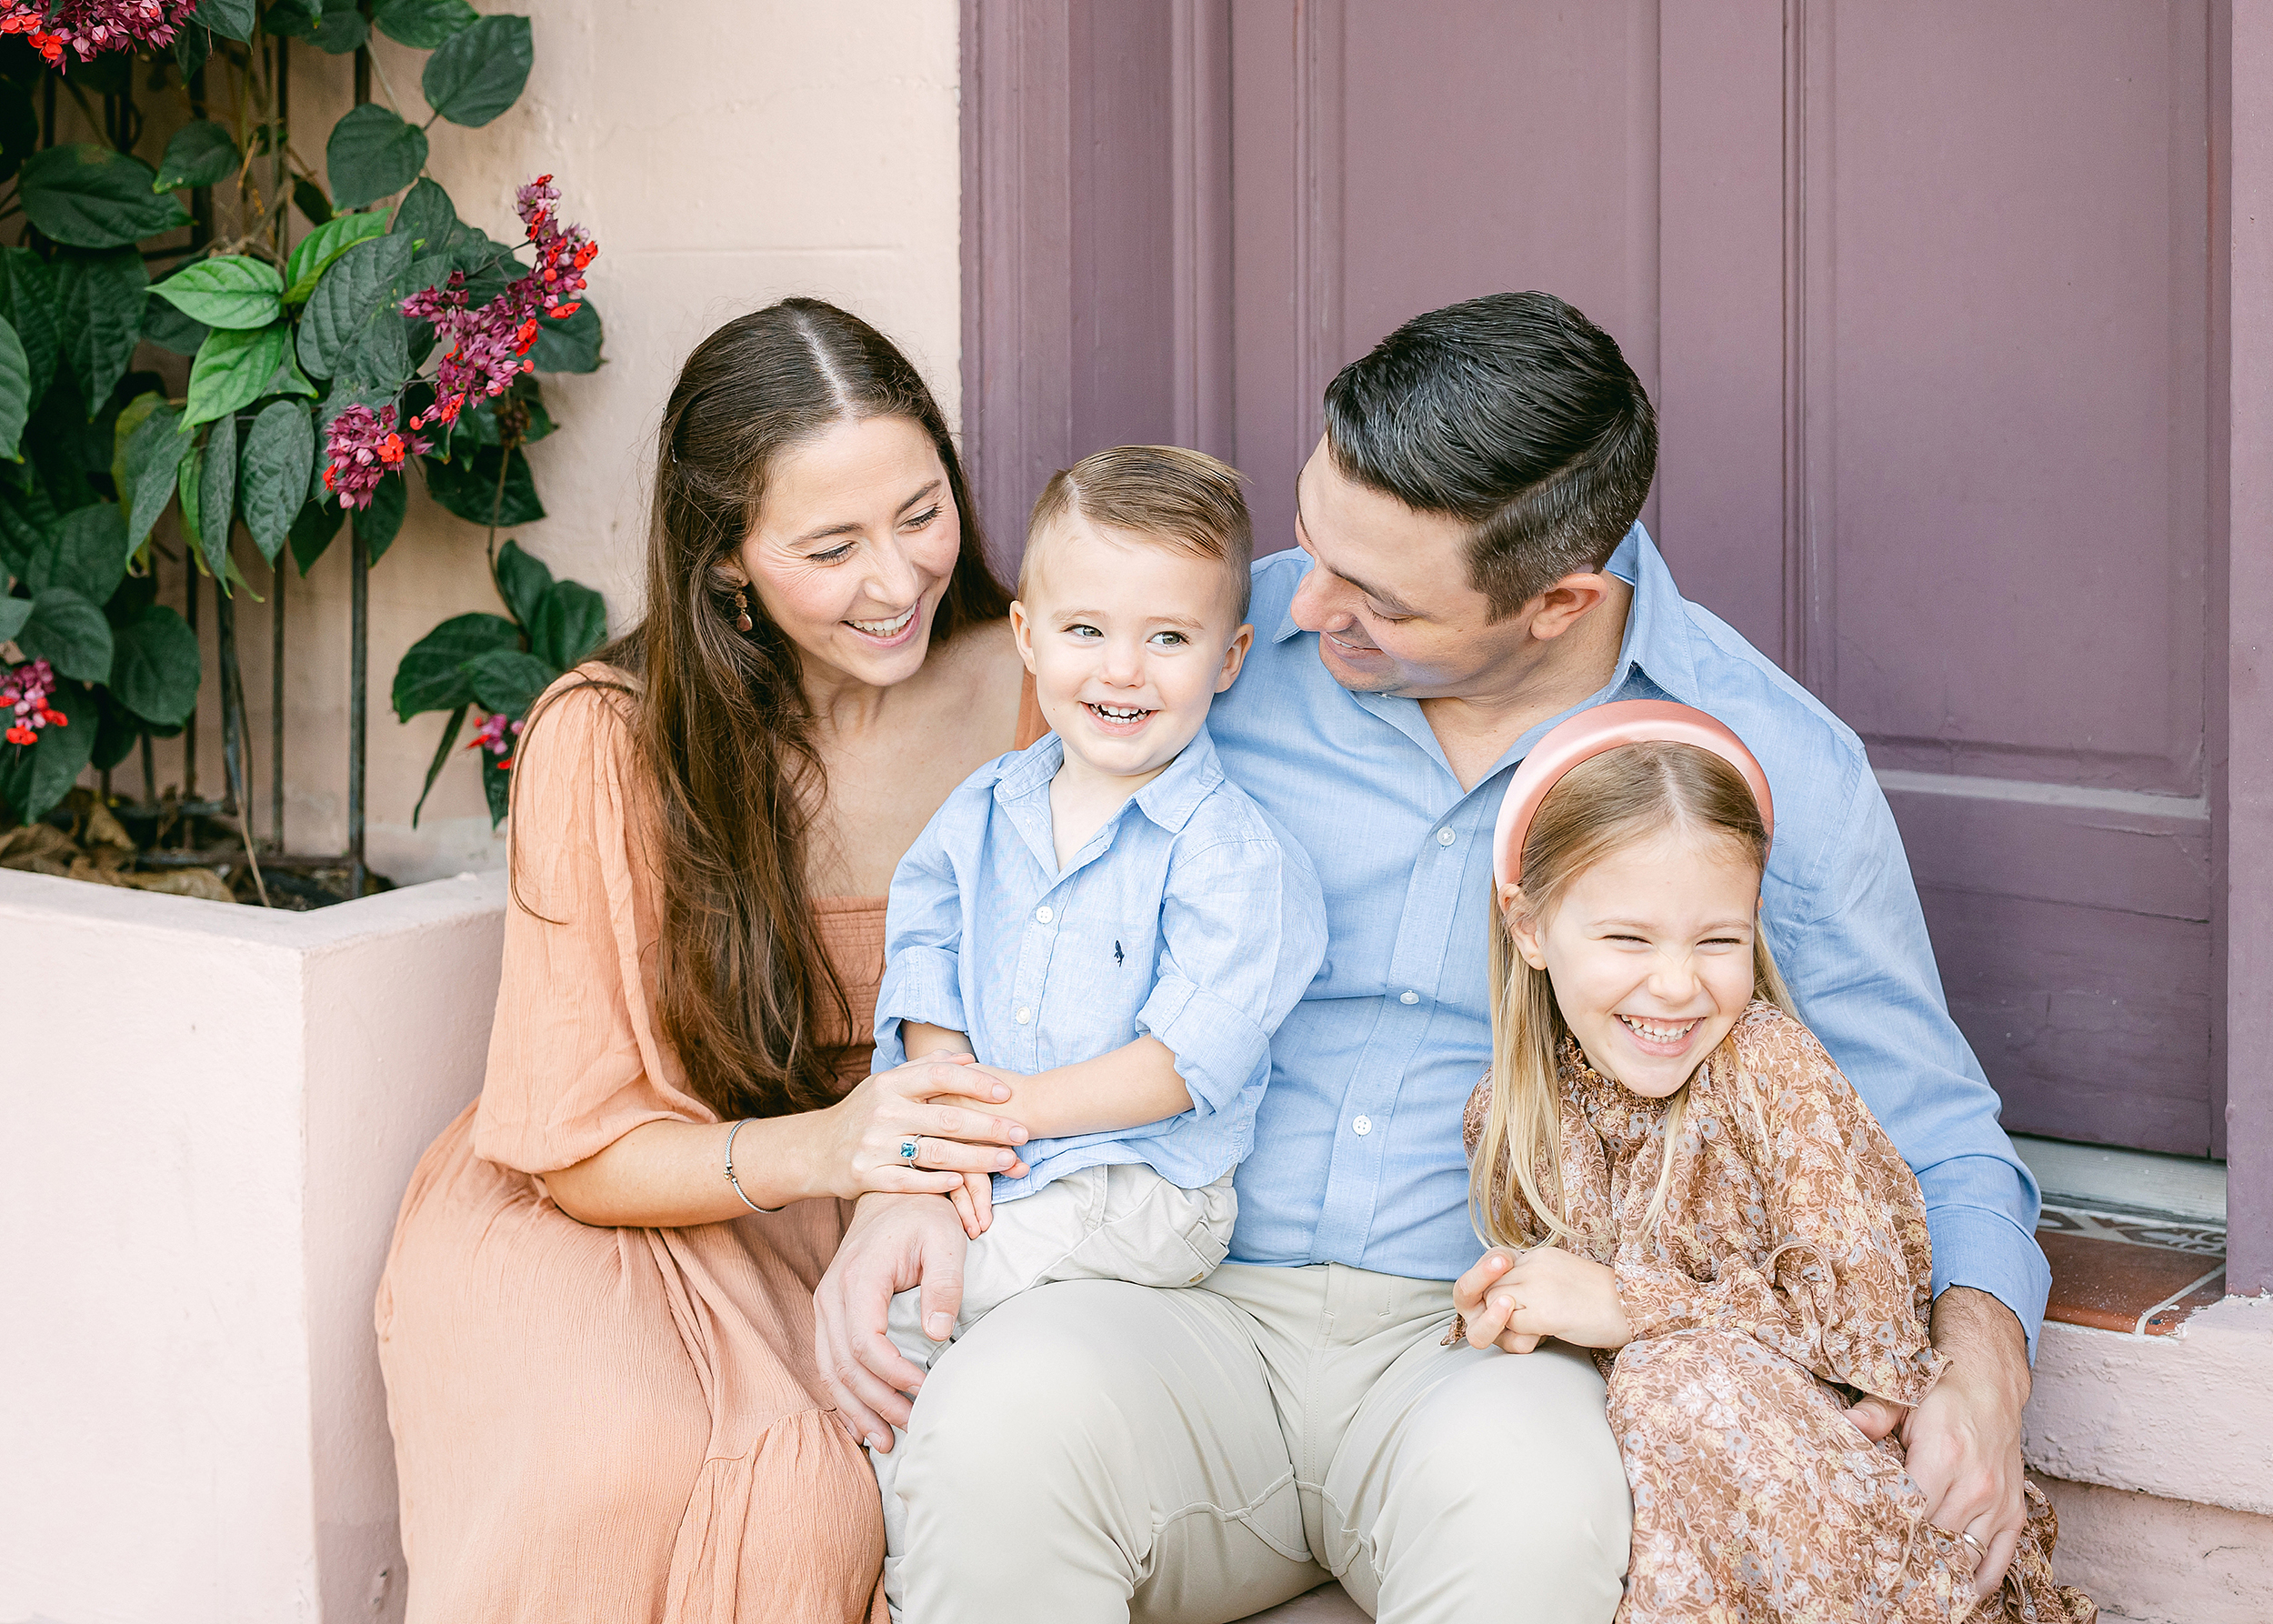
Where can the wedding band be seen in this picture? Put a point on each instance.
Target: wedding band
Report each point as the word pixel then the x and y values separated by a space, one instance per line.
pixel 1970 1540
pixel 908 1150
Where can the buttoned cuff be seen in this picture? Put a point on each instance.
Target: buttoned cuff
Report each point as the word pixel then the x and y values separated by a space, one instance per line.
pixel 1983 1249
pixel 1218 1047
pixel 920 983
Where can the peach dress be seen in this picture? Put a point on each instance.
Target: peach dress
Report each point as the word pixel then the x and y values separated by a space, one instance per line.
pixel 614 1424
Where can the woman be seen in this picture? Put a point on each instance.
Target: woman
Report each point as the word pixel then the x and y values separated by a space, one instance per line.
pixel 599 1357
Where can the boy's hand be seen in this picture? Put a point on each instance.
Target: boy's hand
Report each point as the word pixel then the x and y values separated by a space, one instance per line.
pixel 1520 1296
pixel 974 1204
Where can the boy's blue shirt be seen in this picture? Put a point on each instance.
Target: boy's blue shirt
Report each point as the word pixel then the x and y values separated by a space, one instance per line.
pixel 1189 915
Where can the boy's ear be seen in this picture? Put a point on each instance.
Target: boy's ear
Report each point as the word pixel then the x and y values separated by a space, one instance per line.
pixel 1022 633
pixel 1234 656
pixel 1522 928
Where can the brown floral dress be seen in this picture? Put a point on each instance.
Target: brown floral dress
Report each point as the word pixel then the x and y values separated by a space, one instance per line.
pixel 1790 1270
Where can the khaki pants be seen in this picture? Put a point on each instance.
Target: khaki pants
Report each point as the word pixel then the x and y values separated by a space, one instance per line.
pixel 1099 1452
pixel 1121 1223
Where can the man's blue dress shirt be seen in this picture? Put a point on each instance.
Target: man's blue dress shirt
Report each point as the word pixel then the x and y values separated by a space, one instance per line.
pixel 1359 1158
pixel 1188 915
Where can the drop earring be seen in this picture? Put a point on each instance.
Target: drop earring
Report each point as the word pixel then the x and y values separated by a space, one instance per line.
pixel 741 610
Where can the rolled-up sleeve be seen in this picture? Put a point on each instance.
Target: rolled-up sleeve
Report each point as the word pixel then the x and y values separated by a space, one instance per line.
pixel 1243 931
pixel 1861 969
pixel 923 942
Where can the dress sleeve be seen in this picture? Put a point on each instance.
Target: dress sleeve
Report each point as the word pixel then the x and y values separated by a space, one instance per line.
pixel 923 941
pixel 574 1061
pixel 1242 932
pixel 1842 1291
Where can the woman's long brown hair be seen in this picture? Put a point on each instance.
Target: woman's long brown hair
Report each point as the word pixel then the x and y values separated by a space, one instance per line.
pixel 745 989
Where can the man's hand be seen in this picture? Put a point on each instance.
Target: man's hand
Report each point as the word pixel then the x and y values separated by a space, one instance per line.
pixel 896 1243
pixel 1963 1443
pixel 1512 1298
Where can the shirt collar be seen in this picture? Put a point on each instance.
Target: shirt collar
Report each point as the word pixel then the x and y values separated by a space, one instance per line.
pixel 1169 800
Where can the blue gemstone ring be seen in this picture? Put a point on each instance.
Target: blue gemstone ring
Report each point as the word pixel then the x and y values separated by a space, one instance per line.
pixel 907 1150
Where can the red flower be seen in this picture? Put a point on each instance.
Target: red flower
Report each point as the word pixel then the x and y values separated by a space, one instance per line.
pixel 365 446
pixel 25 693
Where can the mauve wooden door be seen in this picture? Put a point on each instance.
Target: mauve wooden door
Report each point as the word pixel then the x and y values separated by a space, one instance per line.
pixel 1922 288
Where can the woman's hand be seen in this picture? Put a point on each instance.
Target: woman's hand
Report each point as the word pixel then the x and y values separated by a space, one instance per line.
pixel 882 1112
pixel 896 1243
pixel 1513 1299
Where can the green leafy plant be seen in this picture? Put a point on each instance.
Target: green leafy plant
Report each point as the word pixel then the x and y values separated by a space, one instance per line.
pixel 324 325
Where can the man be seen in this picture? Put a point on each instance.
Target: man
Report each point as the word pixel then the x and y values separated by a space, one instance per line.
pixel 1471 573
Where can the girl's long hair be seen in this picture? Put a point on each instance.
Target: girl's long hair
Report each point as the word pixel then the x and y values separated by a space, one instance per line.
pixel 1601 807
pixel 745 990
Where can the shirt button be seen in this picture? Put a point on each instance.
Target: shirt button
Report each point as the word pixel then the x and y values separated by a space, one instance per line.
pixel 1042 914
pixel 1408 997
pixel 1361 1126
pixel 1024 1015
pixel 1443 837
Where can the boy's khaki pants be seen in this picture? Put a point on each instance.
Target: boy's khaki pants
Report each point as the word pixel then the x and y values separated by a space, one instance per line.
pixel 1098 1451
pixel 1121 1223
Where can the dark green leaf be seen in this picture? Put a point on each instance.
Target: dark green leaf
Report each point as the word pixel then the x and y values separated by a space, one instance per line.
pixel 92 197
pixel 13 613
pixel 441 757
pixel 292 19
pixel 134 594
pixel 313 254
pixel 27 299
pixel 187 480
pixel 20 534
pixel 355 303
pixel 507 681
pixel 421 25
pixel 312 532
pixel 427 217
pixel 231 370
pixel 478 424
pixel 377 526
pixel 201 154
pixel 155 666
pixel 19 127
pixel 341 29
pixel 216 495
pixel 168 328
pixel 154 456
pixel 468 487
pixel 35 778
pixel 309 199
pixel 429 678
pixel 85 552
pixel 275 481
pixel 289 379
pixel 371 153
pixel 100 298
pixel 15 391
pixel 571 622
pixel 480 71
pixel 521 582
pixel 130 416
pixel 572 344
pixel 115 738
pixel 229 291
pixel 230 19
pixel 69 633
pixel 192 45
pixel 498 786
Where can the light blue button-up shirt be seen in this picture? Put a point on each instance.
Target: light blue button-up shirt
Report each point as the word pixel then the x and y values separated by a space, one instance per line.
pixel 1359 1158
pixel 1188 916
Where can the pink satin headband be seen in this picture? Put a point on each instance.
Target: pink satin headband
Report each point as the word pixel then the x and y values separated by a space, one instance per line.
pixel 1589 734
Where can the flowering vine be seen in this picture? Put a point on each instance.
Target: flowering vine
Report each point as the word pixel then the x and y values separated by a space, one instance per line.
pixel 89 27
pixel 365 446
pixel 24 693
pixel 500 735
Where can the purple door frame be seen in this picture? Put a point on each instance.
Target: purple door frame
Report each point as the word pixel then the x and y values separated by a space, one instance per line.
pixel 1101 305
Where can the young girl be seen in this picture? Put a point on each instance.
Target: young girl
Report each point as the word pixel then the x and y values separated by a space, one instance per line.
pixel 1687 1184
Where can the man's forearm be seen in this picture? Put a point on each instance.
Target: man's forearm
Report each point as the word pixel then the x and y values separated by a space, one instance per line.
pixel 1983 1338
pixel 1134 1085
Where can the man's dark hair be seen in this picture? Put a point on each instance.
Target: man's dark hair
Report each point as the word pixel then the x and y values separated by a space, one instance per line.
pixel 1515 413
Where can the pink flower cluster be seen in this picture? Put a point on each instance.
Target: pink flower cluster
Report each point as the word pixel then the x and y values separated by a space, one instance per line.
pixel 487 348
pixel 498 735
pixel 25 693
pixel 363 446
pixel 89 27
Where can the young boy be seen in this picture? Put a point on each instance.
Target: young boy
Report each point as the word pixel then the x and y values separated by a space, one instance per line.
pixel 1105 892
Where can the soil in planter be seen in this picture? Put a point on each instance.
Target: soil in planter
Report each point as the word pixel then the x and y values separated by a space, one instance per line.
pixel 171 849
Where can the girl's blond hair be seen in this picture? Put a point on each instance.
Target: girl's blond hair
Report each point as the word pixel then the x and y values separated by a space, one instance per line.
pixel 1601 807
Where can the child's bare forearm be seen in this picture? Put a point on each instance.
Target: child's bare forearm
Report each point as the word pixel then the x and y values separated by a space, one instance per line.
pixel 1135 1085
pixel 920 1040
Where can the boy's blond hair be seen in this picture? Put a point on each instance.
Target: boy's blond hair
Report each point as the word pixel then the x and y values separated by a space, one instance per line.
pixel 1185 500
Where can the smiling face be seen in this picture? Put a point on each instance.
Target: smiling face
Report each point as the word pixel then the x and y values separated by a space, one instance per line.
pixel 1650 953
pixel 1129 640
pixel 856 538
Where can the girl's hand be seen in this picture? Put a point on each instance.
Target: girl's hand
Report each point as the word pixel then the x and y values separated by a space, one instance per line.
pixel 1544 1291
pixel 862 1156
pixel 975 1203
